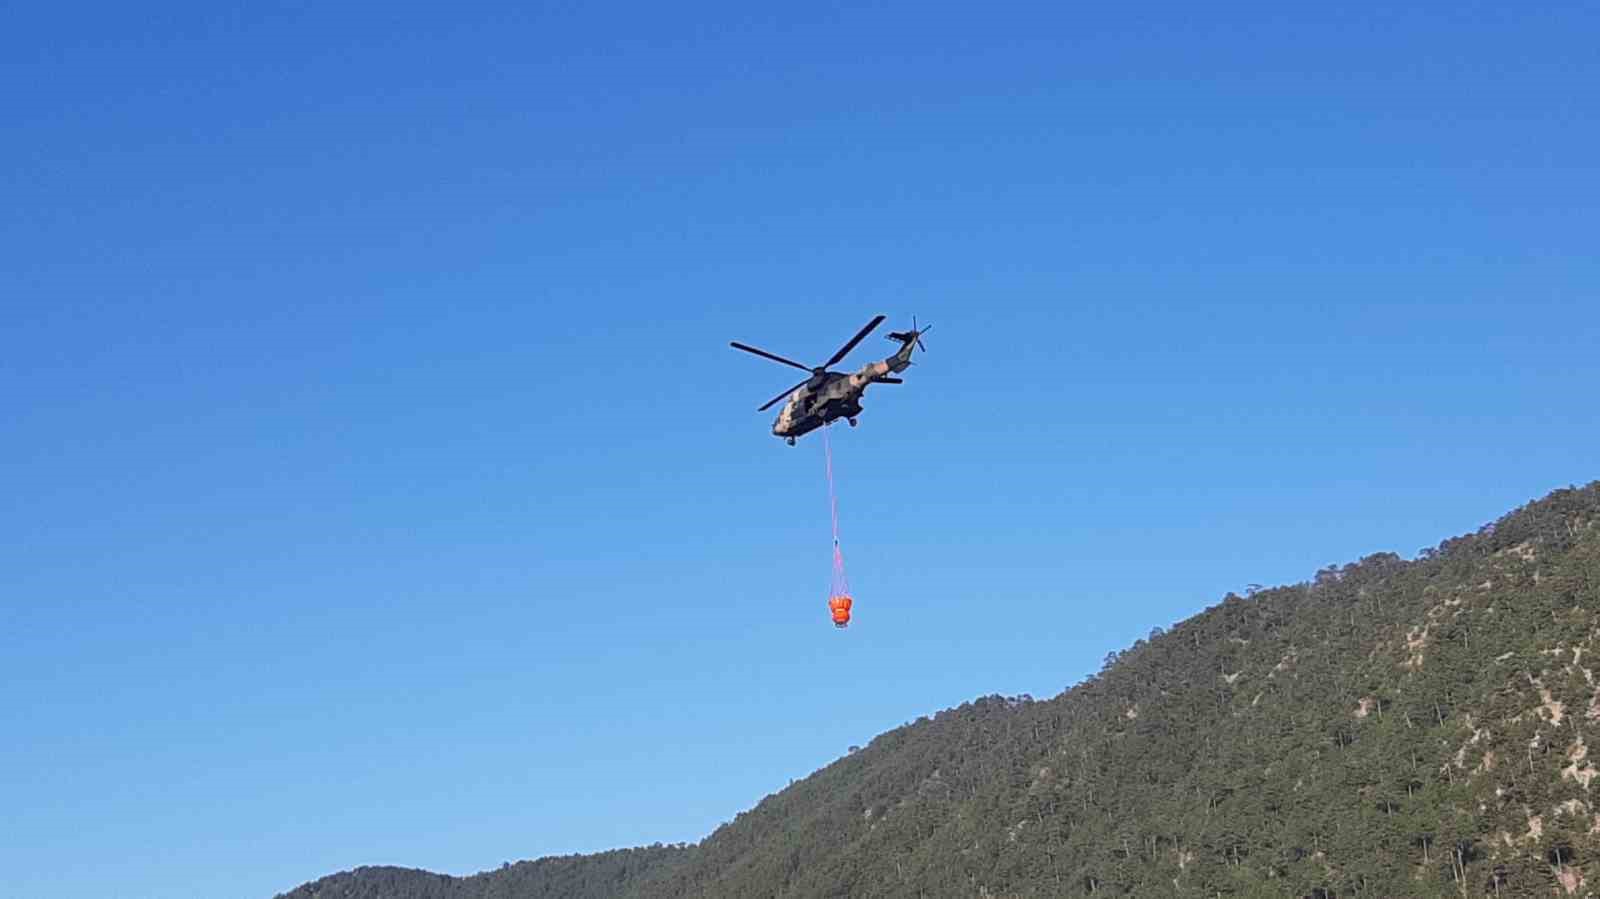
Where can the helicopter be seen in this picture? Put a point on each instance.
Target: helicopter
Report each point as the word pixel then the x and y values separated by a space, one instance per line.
pixel 825 396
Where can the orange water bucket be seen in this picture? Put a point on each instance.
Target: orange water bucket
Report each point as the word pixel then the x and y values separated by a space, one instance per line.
pixel 839 607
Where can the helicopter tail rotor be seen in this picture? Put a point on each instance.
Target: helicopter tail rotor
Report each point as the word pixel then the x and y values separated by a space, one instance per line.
pixel 912 336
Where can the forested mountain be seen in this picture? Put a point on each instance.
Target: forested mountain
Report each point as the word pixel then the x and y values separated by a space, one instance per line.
pixel 1390 728
pixel 597 876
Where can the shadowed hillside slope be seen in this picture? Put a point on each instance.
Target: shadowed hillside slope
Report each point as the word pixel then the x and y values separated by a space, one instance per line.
pixel 1390 728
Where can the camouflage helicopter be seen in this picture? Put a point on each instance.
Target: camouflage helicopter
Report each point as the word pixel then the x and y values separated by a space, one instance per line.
pixel 828 395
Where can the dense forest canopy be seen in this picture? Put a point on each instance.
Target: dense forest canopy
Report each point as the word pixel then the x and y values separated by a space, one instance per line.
pixel 1389 728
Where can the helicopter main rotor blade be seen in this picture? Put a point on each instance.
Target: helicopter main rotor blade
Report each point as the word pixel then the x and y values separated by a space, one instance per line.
pixel 845 350
pixel 783 395
pixel 773 356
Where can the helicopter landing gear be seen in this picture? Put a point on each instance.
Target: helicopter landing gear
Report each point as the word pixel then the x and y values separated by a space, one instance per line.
pixel 791 441
pixel 852 422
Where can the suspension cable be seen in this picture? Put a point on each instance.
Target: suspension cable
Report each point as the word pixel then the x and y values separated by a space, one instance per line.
pixel 840 585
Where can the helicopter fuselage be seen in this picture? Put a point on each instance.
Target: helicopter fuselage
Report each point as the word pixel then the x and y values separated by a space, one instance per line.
pixel 834 395
pixel 811 407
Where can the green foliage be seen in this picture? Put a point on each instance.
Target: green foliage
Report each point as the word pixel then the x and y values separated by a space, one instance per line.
pixel 595 876
pixel 1391 728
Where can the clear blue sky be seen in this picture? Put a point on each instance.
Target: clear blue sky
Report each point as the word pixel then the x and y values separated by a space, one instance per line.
pixel 380 487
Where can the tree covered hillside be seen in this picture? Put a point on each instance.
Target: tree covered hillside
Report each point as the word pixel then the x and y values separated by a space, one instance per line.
pixel 1390 728
pixel 597 876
